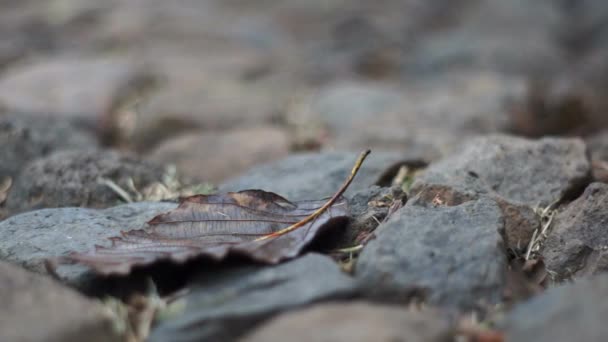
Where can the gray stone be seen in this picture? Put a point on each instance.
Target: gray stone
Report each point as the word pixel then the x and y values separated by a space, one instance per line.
pixel 368 207
pixel 314 175
pixel 69 86
pixel 356 322
pixel 198 104
pixel 24 138
pixel 30 238
pixel 359 202
pixel 581 28
pixel 336 111
pixel 573 312
pixel 524 44
pixel 225 304
pixel 217 156
pixel 520 224
pixel 520 219
pixel 578 242
pixel 427 118
pixel 531 172
pixel 454 253
pixel 36 308
pixel 74 178
pixel 187 100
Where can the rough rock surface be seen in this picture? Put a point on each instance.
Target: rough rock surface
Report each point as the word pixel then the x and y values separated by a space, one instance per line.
pixel 572 312
pixel 368 207
pixel 520 220
pixel 531 172
pixel 314 175
pixel 578 243
pixel 355 321
pixel 217 156
pixel 28 239
pixel 454 253
pixel 24 138
pixel 225 304
pixel 35 308
pixel 520 223
pixel 73 178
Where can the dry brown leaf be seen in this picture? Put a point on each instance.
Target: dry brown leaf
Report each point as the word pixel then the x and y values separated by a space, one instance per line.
pixel 254 223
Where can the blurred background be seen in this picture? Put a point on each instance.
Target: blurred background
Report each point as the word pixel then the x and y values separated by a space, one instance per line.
pixel 216 87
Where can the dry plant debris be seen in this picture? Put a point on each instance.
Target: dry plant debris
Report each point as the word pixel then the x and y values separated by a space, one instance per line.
pixel 538 237
pixel 169 188
pixel 253 223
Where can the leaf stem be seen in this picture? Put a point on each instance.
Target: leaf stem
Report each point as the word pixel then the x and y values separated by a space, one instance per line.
pixel 326 206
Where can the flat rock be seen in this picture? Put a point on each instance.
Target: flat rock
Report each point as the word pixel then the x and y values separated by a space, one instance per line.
pixel 333 113
pixel 237 81
pixel 74 178
pixel 354 321
pixel 578 242
pixel 572 312
pixel 217 156
pixel 455 254
pixel 221 104
pixel 209 99
pixel 30 238
pixel 68 86
pixel 225 304
pixel 35 308
pixel 314 175
pixel 24 138
pixel 519 170
pixel 428 117
pixel 472 40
